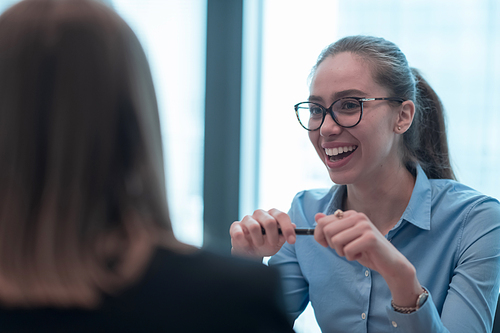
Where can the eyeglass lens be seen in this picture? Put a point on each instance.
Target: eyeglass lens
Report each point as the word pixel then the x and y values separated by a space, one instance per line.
pixel 346 111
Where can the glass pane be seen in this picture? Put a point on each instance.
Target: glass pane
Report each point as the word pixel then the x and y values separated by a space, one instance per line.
pixel 4 4
pixel 455 44
pixel 173 35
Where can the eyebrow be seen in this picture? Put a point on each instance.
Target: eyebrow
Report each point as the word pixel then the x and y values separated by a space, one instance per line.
pixel 340 94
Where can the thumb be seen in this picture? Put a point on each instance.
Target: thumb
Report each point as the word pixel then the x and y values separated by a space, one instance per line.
pixel 319 236
pixel 318 216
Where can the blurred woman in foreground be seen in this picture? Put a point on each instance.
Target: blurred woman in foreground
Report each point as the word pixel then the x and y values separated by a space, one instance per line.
pixel 86 242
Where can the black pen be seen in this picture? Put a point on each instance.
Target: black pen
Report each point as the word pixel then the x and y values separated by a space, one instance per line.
pixel 298 231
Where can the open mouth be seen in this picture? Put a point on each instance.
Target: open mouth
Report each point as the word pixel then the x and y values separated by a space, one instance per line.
pixel 339 153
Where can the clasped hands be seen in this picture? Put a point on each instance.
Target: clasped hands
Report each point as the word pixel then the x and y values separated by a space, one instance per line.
pixel 351 234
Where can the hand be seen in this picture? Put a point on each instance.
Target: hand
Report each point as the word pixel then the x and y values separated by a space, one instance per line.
pixel 247 238
pixel 355 237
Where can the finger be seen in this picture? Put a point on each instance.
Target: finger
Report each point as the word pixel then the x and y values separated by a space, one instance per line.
pixel 254 229
pixel 341 239
pixel 285 223
pixel 241 243
pixel 239 239
pixel 319 235
pixel 340 219
pixel 319 216
pixel 337 224
pixel 270 225
pixel 355 249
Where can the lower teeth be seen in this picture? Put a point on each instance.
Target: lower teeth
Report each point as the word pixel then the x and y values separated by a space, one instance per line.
pixel 340 156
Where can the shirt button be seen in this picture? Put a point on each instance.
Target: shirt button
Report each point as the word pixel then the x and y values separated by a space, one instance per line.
pixel 394 324
pixel 363 315
pixel 367 273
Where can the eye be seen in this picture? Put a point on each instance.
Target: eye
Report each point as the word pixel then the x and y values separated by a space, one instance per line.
pixel 347 105
pixel 315 110
pixel 350 104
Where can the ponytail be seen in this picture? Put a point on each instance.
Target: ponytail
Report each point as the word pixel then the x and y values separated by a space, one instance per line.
pixel 425 142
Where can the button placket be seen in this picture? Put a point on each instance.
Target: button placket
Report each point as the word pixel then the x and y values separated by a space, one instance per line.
pixel 368 281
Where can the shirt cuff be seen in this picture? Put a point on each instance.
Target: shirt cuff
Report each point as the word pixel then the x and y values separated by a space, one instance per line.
pixel 425 319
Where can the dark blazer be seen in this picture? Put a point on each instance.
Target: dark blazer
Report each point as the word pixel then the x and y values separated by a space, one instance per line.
pixel 199 292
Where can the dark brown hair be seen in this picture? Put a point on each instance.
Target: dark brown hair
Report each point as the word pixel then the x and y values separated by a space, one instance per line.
pixel 425 141
pixel 82 191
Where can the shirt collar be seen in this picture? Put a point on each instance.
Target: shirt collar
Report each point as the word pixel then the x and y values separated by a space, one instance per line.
pixel 418 211
pixel 337 198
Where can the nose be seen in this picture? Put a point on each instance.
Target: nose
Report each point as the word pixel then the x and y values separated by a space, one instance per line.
pixel 330 127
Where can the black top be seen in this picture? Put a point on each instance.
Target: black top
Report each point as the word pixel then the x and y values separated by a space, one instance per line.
pixel 199 292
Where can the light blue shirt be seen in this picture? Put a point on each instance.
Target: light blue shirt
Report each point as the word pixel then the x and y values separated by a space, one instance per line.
pixel 449 232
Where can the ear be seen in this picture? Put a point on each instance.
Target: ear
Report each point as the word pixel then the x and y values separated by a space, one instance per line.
pixel 405 117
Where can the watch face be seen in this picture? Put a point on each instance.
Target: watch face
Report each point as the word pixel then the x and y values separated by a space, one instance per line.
pixel 422 298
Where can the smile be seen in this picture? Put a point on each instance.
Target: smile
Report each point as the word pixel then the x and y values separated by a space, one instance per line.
pixel 339 153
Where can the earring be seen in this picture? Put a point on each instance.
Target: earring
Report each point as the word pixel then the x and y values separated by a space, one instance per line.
pixel 399 128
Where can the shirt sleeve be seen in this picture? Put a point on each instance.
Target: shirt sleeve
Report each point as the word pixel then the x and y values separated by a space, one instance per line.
pixel 295 286
pixel 473 292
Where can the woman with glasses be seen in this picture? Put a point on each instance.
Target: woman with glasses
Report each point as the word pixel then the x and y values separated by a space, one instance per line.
pixel 398 244
pixel 86 243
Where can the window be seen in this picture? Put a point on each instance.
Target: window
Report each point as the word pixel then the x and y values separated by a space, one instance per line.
pixel 456 45
pixel 173 36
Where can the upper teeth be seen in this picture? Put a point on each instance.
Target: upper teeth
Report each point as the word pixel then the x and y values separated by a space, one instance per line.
pixel 338 150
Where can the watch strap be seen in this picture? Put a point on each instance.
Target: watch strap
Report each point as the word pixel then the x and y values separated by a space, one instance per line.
pixel 409 309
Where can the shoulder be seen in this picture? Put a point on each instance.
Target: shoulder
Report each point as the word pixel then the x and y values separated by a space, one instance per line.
pixel 205 291
pixel 242 293
pixel 476 213
pixel 214 273
pixel 235 267
pixel 454 195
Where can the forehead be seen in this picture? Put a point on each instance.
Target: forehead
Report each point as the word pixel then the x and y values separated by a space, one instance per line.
pixel 343 72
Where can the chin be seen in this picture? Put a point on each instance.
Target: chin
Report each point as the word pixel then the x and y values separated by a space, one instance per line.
pixel 340 178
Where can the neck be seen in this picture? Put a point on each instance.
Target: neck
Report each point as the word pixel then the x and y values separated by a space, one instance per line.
pixel 384 199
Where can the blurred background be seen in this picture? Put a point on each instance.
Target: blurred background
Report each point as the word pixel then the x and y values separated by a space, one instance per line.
pixel 228 72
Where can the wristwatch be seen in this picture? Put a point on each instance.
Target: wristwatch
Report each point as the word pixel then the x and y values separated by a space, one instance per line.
pixel 409 309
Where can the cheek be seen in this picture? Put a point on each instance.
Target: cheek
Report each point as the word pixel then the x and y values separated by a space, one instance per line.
pixel 314 138
pixel 377 140
pixel 376 128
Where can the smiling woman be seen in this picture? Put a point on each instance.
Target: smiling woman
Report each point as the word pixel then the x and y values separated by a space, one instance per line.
pixel 373 255
pixel 455 45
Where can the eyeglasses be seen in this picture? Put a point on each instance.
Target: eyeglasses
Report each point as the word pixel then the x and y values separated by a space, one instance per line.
pixel 346 112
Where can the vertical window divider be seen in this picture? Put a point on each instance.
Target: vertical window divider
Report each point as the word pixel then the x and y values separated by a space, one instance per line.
pixel 222 122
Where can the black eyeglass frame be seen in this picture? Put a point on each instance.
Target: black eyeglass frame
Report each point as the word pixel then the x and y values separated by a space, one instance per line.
pixel 330 109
